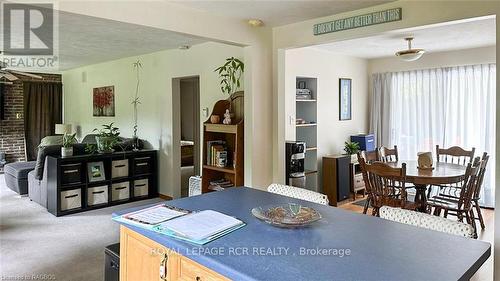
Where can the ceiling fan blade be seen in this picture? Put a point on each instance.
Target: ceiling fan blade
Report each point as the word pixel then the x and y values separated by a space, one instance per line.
pixel 8 76
pixel 26 74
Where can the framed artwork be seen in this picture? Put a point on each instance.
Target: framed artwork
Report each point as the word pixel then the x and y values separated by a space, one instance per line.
pixel 345 87
pixel 95 171
pixel 104 101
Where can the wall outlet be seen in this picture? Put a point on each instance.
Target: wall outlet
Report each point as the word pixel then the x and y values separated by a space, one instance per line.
pixel 205 112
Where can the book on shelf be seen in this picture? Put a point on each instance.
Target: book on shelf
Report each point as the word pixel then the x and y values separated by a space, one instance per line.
pixel 220 184
pixel 210 150
pixel 194 227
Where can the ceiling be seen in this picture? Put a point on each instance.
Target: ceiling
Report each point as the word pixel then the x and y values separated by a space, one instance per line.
pixel 85 40
pixel 278 12
pixel 447 37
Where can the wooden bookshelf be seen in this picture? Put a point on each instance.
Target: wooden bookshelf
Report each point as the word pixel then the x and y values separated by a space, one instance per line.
pixel 232 135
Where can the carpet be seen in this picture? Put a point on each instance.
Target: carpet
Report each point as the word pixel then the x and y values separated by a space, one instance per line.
pixel 35 244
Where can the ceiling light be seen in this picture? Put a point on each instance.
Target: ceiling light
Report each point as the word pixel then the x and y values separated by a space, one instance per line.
pixel 410 54
pixel 184 47
pixel 255 22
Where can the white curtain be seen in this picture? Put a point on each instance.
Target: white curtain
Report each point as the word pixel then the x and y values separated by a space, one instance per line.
pixel 416 110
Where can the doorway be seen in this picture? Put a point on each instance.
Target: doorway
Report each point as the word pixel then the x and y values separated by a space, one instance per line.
pixel 189 145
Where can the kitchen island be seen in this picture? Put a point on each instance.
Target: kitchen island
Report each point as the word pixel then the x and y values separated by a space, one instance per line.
pixel 341 246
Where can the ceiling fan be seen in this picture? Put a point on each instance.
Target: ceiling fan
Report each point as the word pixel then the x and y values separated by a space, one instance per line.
pixel 8 76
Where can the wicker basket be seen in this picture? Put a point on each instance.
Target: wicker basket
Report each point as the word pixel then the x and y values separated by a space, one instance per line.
pixel 194 185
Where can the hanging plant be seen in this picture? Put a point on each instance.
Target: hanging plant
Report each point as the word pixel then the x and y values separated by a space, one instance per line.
pixel 230 74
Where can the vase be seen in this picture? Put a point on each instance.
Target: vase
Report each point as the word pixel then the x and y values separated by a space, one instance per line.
pixel 66 151
pixel 215 119
pixel 104 144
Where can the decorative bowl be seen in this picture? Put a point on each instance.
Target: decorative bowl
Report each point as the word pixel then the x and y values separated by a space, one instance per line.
pixel 289 215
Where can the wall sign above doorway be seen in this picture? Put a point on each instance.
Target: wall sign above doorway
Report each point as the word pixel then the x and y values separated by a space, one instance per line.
pixel 358 21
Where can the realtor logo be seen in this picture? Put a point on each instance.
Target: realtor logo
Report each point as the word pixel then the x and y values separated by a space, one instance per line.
pixel 28 29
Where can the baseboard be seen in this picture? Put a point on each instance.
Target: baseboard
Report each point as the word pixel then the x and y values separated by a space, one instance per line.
pixel 164 197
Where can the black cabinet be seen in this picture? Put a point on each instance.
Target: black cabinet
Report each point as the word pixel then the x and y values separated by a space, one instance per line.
pixel 69 189
pixel 336 178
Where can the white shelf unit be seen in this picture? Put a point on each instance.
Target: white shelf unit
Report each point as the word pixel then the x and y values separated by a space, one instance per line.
pixel 307 110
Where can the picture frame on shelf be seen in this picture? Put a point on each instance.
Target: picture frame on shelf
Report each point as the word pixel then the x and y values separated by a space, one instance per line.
pixel 345 99
pixel 95 171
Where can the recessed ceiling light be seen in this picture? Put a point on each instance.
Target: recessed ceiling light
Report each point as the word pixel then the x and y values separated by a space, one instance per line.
pixel 184 47
pixel 255 22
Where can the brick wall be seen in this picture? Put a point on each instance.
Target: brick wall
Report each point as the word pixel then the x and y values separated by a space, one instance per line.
pixel 12 127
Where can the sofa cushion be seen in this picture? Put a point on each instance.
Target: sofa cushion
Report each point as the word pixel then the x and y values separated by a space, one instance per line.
pixel 53 150
pixel 51 140
pixel 19 170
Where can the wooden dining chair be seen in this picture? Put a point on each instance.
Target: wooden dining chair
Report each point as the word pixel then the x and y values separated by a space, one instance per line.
pixel 389 155
pixel 453 194
pixel 455 155
pixel 369 157
pixel 463 206
pixel 386 186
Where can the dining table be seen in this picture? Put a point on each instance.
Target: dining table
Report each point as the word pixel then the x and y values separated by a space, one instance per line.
pixel 441 173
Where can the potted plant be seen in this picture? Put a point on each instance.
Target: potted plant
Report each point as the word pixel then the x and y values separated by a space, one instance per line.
pixel 107 138
pixel 230 74
pixel 67 145
pixel 136 101
pixel 351 148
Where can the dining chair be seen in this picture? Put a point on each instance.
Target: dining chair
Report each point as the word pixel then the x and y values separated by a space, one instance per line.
pixel 462 207
pixel 386 186
pixel 455 155
pixel 388 154
pixel 369 157
pixel 453 194
pixel 427 221
pixel 452 155
pixel 298 193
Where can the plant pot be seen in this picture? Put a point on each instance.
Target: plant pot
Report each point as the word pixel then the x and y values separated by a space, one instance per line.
pixel 66 151
pixel 104 144
pixel 215 119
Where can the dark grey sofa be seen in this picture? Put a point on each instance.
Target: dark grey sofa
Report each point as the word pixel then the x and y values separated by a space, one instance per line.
pixel 16 175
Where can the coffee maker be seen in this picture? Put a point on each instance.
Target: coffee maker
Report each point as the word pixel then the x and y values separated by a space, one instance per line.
pixel 294 163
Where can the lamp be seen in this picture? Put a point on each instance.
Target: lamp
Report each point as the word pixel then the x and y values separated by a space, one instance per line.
pixel 410 54
pixel 62 129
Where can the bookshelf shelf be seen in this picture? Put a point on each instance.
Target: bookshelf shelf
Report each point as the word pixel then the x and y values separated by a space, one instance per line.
pixel 306 109
pixel 220 140
pixel 220 169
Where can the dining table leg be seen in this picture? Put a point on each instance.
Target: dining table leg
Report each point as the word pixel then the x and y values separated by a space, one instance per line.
pixel 421 197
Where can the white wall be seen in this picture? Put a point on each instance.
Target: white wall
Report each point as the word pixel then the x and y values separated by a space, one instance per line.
pixel 434 60
pixel 328 67
pixel 156 124
pixel 258 63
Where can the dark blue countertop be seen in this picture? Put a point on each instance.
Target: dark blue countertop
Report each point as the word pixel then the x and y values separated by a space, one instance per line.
pixel 373 248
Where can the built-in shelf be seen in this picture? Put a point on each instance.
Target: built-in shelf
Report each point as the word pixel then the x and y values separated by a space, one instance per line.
pixel 220 169
pixel 305 100
pixel 309 172
pixel 306 125
pixel 313 148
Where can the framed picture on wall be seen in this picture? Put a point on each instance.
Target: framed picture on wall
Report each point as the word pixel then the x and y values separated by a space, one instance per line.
pixel 96 171
pixel 104 101
pixel 345 108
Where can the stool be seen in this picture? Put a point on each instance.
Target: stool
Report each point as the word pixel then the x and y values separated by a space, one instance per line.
pixel 112 262
pixel 16 175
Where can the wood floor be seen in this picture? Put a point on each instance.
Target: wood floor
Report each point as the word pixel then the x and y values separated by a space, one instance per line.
pixel 485 273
